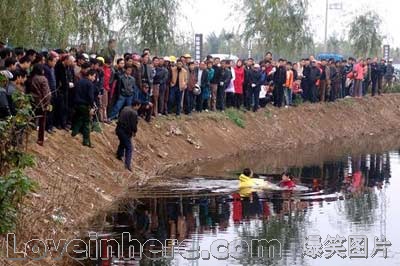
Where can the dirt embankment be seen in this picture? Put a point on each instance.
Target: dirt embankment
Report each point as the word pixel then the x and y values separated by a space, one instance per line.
pixel 75 182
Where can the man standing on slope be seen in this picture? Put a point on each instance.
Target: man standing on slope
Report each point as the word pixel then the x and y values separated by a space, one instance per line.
pixel 126 128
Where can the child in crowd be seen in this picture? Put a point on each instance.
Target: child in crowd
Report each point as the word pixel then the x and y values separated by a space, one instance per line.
pixel 288 85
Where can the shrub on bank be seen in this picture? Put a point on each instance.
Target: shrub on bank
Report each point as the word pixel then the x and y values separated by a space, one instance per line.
pixel 14 184
pixel 236 116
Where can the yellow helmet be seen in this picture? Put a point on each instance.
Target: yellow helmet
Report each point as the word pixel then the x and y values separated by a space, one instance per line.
pixel 187 56
pixel 101 59
pixel 172 59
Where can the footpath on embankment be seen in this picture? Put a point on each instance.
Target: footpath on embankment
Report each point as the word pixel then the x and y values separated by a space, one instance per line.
pixel 76 183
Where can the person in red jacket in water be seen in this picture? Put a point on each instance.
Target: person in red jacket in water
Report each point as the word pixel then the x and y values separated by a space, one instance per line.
pixel 287 182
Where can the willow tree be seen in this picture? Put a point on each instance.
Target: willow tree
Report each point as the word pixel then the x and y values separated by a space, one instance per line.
pixel 213 43
pixel 152 22
pixel 364 34
pixel 37 23
pixel 278 25
pixel 94 20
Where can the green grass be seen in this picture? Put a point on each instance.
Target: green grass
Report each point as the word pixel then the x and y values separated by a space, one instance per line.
pixel 395 88
pixel 348 101
pixel 268 113
pixel 236 116
pixel 298 101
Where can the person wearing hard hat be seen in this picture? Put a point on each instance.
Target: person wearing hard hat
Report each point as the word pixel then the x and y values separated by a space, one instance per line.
pixel 172 59
pixel 188 58
pixel 101 60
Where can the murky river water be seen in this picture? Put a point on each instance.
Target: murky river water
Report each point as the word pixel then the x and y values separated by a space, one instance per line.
pixel 351 208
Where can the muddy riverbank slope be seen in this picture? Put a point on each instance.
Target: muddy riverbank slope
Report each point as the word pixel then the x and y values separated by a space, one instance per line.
pixel 76 183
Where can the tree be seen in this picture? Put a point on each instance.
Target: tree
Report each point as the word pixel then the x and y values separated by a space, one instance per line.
pixel 94 20
pixel 213 43
pixel 152 22
pixel 364 34
pixel 40 23
pixel 55 23
pixel 279 25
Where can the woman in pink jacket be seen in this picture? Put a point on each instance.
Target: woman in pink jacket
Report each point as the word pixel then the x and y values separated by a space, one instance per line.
pixel 238 83
pixel 358 78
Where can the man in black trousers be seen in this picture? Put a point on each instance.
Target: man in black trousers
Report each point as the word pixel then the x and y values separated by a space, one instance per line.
pixel 279 81
pixel 126 128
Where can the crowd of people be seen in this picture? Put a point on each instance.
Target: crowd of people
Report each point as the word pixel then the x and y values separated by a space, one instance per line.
pixel 75 90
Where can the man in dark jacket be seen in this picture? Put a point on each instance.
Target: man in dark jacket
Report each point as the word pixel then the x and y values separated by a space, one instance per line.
pixel 51 78
pixel 343 77
pixel 126 129
pixel 226 77
pixel 147 70
pixel 65 85
pixel 256 82
pixel 215 83
pixel 164 75
pixel 117 72
pixel 202 81
pixel 389 74
pixel 84 103
pixel 16 83
pixel 381 74
pixel 325 82
pixel 305 82
pixel 158 76
pixel 279 81
pixel 188 99
pixel 315 75
pixel 125 88
pixel 374 76
pixel 347 70
pixel 247 83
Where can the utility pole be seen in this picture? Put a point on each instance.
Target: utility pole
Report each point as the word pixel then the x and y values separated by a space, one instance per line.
pixel 326 25
pixel 334 6
pixel 250 47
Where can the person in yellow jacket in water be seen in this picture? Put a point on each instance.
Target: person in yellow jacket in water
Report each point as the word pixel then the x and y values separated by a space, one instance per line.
pixel 247 183
pixel 247 180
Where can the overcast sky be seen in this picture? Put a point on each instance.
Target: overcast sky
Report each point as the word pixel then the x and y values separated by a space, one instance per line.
pixel 206 16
